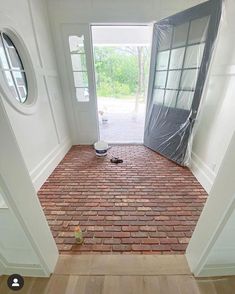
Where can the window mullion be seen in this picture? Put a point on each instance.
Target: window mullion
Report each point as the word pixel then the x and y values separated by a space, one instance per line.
pixel 10 69
pixel 16 87
pixel 5 51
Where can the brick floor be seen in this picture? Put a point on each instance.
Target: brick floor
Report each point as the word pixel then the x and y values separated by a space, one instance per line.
pixel 147 204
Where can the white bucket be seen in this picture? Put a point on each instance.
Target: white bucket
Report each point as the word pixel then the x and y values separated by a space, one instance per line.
pixel 101 148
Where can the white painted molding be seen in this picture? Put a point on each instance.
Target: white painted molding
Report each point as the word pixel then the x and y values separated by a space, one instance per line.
pixel 34 32
pixel 3 204
pixel 52 109
pixel 218 270
pixel 46 72
pixel 202 262
pixel 30 105
pixel 46 166
pixel 18 190
pixel 202 172
pixel 24 269
pixel 2 266
pixel 217 211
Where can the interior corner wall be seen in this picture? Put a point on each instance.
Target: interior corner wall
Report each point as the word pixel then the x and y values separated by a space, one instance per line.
pixel 211 250
pixel 43 136
pixel 216 122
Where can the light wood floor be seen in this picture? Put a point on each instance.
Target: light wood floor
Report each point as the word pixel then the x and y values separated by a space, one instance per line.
pixel 123 275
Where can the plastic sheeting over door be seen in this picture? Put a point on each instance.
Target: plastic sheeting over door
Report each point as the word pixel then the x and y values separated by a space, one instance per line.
pixel 181 53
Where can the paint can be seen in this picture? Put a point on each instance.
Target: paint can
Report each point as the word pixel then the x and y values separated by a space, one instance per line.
pixel 101 148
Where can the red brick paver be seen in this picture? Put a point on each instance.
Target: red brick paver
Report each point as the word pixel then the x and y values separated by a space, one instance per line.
pixel 147 204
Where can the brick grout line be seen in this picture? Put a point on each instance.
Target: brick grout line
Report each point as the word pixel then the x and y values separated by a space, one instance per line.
pixel 145 205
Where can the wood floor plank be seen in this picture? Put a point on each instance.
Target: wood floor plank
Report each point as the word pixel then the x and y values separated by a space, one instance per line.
pixel 124 285
pixel 72 285
pixel 84 285
pixel 58 284
pixel 231 282
pixel 139 284
pixel 71 264
pixel 206 286
pixel 25 290
pixel 168 285
pixel 122 265
pixel 40 286
pixel 151 284
pixel 186 284
pixel 94 284
pixel 224 285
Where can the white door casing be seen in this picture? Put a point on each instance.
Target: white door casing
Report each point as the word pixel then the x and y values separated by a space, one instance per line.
pixel 84 114
pixel 24 212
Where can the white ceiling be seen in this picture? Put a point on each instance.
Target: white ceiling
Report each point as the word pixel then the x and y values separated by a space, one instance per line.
pixel 121 35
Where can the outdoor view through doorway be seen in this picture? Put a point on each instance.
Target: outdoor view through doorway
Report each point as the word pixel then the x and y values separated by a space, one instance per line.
pixel 121 57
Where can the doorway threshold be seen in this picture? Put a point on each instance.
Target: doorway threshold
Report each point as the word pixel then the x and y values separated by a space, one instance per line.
pixel 125 143
pixel 122 265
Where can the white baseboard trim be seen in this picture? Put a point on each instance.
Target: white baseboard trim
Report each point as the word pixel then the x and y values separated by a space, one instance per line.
pixel 202 172
pixel 43 170
pixel 218 270
pixel 26 270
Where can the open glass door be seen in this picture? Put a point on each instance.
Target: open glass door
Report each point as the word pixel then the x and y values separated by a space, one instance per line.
pixel 181 52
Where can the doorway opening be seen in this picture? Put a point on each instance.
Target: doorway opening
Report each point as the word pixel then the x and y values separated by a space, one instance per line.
pixel 121 59
pixel 147 204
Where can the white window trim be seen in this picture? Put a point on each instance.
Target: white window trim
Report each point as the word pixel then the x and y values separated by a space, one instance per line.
pixel 75 88
pixel 29 106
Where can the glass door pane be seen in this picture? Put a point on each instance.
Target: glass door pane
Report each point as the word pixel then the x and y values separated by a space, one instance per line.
pixel 179 61
pixel 177 58
pixel 163 60
pixel 165 36
pixel 182 46
pixel 180 35
pixel 198 30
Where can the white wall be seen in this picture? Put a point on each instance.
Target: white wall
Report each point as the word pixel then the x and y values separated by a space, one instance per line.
pixel 64 14
pixel 26 243
pixel 14 240
pixel 223 251
pixel 211 250
pixel 43 136
pixel 216 121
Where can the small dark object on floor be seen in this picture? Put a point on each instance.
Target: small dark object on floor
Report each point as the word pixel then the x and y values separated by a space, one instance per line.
pixel 116 160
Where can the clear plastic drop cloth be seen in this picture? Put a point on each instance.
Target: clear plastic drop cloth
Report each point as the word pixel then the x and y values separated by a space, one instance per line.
pixel 181 53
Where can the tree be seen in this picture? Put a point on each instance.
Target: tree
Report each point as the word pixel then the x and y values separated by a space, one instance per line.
pixel 121 71
pixel 142 55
